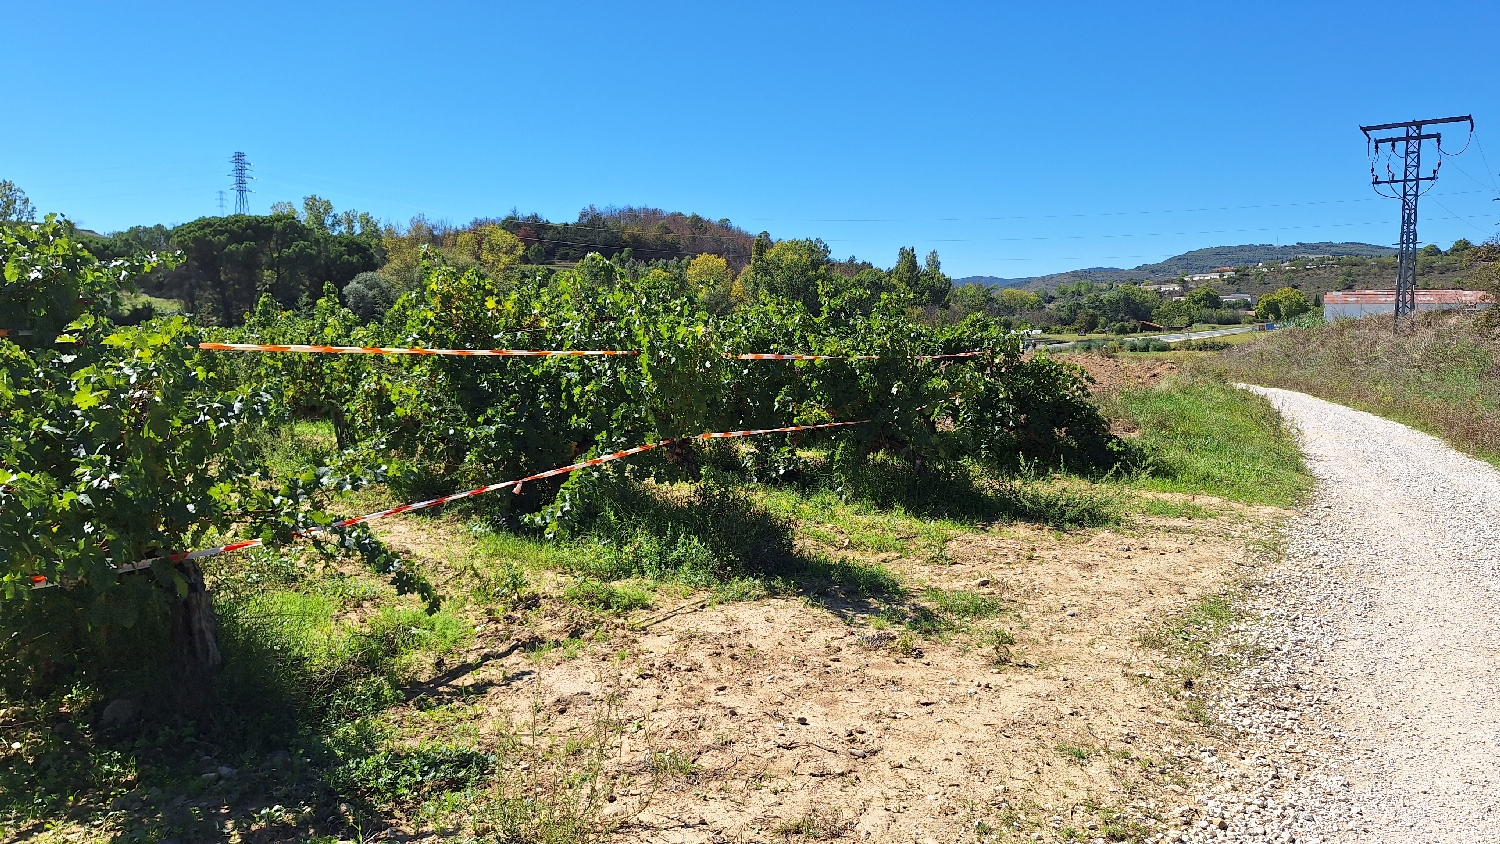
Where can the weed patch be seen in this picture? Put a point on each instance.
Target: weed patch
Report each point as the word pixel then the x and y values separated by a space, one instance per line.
pixel 817 825
pixel 608 597
pixel 1192 639
pixel 1074 753
pixel 1205 437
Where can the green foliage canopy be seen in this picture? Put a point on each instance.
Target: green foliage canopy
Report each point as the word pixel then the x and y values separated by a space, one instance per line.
pixel 230 261
pixel 1284 304
pixel 118 444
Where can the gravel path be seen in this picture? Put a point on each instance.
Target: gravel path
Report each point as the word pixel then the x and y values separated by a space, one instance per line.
pixel 1374 708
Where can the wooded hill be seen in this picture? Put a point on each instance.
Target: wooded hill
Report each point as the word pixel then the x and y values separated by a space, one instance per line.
pixel 294 253
pixel 1195 261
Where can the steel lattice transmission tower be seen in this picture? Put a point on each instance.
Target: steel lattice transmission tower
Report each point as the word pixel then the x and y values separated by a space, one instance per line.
pixel 1410 182
pixel 242 179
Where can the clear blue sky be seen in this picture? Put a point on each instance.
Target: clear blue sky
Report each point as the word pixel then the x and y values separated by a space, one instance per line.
pixel 1016 139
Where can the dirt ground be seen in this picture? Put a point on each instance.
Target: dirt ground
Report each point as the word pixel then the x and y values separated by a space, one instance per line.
pixel 1113 373
pixel 794 719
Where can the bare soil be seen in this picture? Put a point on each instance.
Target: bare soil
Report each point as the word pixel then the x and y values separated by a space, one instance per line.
pixel 798 718
pixel 1114 373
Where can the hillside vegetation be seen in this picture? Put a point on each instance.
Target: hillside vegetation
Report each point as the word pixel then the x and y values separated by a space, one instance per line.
pixel 1347 266
pixel 1195 261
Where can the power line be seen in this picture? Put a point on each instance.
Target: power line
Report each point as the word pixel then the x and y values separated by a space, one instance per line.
pixel 918 219
pixel 1488 171
pixel 1456 217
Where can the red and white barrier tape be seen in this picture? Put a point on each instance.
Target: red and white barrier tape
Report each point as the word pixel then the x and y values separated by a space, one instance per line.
pixel 379 350
pixel 773 356
pixel 845 357
pixel 382 350
pixel 40 582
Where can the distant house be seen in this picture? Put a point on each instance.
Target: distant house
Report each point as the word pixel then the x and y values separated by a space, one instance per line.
pixel 1238 297
pixel 1212 275
pixel 1164 289
pixel 1352 304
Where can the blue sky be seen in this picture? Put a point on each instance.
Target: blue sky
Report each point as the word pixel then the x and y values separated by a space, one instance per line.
pixel 1015 139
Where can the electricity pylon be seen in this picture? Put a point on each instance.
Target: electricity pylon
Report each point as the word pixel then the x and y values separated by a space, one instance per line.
pixel 1410 180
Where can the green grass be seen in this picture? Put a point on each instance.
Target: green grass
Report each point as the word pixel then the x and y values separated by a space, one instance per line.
pixel 1204 437
pixel 1192 632
pixel 962 603
pixel 1191 644
pixel 816 825
pixel 1188 640
pixel 857 525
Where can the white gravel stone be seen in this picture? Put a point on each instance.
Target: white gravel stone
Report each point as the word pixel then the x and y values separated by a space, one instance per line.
pixel 1373 706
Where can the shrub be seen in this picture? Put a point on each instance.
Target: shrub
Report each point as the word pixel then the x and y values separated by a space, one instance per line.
pixel 369 295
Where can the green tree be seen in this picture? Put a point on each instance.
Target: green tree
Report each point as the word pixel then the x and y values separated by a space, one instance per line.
pixel 711 279
pixel 358 223
pixel 974 299
pixel 1012 301
pixel 1175 314
pixel 491 247
pixel 1205 298
pixel 933 287
pixel 1088 320
pixel 15 207
pixel 794 270
pixel 907 274
pixel 1284 304
pixel 1128 303
pixel 231 260
pixel 760 246
pixel 134 241
pixel 317 213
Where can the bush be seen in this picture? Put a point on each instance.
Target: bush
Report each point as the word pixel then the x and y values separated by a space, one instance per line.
pixel 1204 345
pixel 369 295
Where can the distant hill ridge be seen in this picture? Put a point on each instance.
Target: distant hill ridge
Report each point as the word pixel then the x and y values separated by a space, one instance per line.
pixel 1196 261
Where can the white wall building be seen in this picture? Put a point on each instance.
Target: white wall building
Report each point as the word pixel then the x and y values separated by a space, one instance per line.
pixel 1353 304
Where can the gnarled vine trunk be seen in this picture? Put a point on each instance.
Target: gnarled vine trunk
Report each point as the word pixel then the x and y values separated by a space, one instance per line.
pixel 195 648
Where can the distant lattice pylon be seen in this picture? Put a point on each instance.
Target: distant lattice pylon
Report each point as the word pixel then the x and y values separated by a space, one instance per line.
pixel 242 179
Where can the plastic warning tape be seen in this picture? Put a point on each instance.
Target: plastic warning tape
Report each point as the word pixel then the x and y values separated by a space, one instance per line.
pixel 845 357
pixel 384 350
pixel 380 350
pixel 801 357
pixel 40 582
